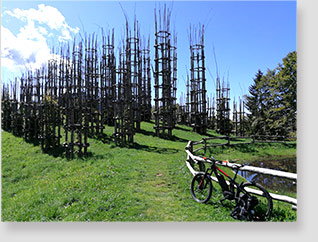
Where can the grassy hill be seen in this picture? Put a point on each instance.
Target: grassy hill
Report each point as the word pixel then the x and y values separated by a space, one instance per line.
pixel 147 181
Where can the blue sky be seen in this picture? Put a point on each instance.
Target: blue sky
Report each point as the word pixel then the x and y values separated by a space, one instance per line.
pixel 246 35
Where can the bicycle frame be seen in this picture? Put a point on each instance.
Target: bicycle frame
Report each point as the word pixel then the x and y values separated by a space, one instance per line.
pixel 214 169
pixel 228 190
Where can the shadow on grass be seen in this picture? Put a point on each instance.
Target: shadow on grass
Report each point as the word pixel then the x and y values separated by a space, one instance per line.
pixel 35 142
pixel 110 140
pixel 146 132
pixel 183 129
pixel 230 205
pixel 57 151
pixel 176 139
pixel 104 138
pixel 162 136
pixel 149 121
pixel 153 149
pixel 60 151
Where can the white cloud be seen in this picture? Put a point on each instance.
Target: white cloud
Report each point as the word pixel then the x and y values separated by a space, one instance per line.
pixel 24 50
pixel 47 15
pixel 43 31
pixel 29 47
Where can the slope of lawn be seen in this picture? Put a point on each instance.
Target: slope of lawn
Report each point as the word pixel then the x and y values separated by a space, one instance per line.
pixel 147 181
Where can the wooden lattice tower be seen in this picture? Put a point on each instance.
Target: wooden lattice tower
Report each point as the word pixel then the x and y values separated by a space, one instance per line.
pixel 241 118
pixel 133 69
pixel 91 98
pixel 211 113
pixel 223 108
pixel 26 86
pixel 108 80
pixel 181 111
pixel 187 110
pixel 174 79
pixel 238 118
pixel 164 75
pixel 198 102
pixel 145 81
pixel 40 103
pixel 63 68
pixel 11 120
pixel 123 114
pixel 235 121
pixel 76 117
pixel 31 127
pixel 13 107
pixel 49 109
pixel 5 108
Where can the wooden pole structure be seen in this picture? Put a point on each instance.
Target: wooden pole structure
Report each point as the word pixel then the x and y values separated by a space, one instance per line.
pixel 108 80
pixel 223 107
pixel 145 82
pixel 199 115
pixel 134 71
pixel 188 117
pixel 164 75
pixel 123 114
pixel 235 119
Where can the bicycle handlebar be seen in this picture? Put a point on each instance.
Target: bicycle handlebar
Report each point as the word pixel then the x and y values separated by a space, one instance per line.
pixel 212 160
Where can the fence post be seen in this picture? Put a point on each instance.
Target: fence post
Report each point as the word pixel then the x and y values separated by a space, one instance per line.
pixel 189 146
pixel 204 140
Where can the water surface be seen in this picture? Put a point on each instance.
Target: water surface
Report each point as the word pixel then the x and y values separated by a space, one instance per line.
pixel 271 182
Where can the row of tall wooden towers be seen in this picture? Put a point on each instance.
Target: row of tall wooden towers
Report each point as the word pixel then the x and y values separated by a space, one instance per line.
pixel 86 86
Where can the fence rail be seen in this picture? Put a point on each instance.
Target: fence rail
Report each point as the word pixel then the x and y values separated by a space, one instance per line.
pixel 197 159
pixel 254 139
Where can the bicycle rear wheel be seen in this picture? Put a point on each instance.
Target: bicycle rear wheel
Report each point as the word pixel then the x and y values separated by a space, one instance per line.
pixel 264 201
pixel 201 188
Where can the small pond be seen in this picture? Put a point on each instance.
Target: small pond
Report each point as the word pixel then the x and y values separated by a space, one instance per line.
pixel 271 182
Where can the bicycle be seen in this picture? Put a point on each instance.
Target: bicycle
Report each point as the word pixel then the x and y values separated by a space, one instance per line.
pixel 255 204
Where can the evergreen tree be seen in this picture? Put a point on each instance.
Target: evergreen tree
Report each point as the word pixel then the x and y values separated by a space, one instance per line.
pixel 272 100
pixel 253 103
pixel 287 86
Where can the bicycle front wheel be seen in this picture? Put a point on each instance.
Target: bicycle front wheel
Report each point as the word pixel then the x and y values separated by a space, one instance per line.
pixel 201 188
pixel 264 203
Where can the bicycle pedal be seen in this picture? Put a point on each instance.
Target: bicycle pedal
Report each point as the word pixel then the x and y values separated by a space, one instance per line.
pixel 228 195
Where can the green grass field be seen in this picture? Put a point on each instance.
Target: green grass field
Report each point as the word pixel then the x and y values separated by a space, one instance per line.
pixel 147 181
